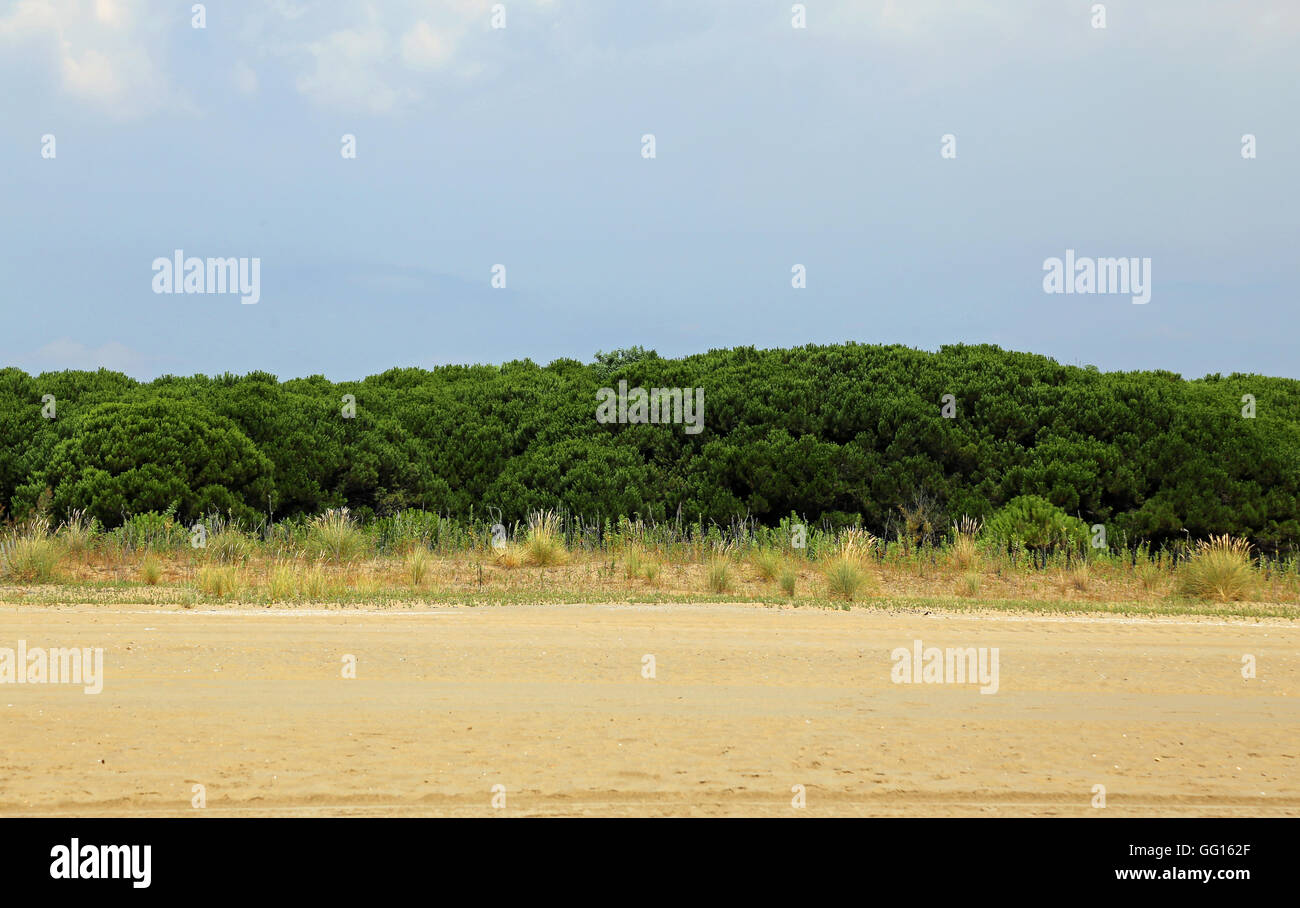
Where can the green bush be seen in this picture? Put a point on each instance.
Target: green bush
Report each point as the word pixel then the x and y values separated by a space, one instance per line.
pixel 1037 525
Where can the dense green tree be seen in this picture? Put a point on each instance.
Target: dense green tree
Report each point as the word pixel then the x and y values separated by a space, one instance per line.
pixel 846 433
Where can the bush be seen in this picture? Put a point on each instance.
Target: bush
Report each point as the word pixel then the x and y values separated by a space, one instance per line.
pixel 1220 570
pixel 1038 525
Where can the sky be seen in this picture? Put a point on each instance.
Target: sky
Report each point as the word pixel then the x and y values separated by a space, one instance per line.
pixel 522 146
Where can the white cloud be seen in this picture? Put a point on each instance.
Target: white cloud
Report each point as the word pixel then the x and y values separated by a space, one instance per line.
pixel 348 70
pixel 100 52
pixel 425 48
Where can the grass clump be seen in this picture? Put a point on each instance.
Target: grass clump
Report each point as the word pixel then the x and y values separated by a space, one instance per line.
pixel 964 554
pixel 220 580
pixel 1078 579
pixel 717 576
pixel 845 577
pixel 151 570
pixel 229 546
pixel 1220 570
pixel 419 562
pixel 768 563
pixel 789 581
pixel 969 585
pixel 30 557
pixel 632 564
pixel 335 536
pixel 650 570
pixel 544 545
pixel 78 533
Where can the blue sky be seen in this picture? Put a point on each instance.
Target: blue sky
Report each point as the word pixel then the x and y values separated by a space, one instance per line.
pixel 522 146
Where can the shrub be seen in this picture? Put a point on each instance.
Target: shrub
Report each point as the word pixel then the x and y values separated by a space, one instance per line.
pixel 969 585
pixel 1038 525
pixel 1220 570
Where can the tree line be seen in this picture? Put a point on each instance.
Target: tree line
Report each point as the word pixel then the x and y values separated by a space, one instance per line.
pixel 843 435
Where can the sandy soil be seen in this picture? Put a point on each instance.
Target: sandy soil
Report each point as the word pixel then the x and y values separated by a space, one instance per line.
pixel 550 703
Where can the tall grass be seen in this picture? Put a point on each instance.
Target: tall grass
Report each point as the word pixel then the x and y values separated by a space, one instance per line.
pixel 845 577
pixel 229 546
pixel 768 563
pixel 78 533
pixel 418 565
pixel 30 555
pixel 717 575
pixel 221 580
pixel 544 545
pixel 964 554
pixel 335 536
pixel 151 570
pixel 1220 570
pixel 789 581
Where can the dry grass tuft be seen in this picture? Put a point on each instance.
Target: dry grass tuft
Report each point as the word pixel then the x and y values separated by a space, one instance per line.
pixel 1220 570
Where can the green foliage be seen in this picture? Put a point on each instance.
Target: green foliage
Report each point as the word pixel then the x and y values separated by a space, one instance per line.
pixel 1037 525
pixel 847 435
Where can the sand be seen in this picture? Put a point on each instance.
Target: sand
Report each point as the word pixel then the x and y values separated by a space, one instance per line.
pixel 550 702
